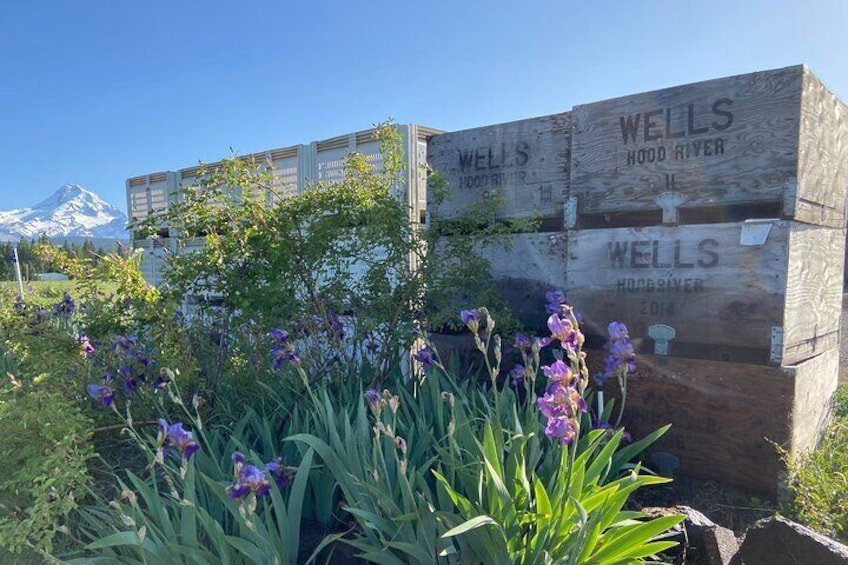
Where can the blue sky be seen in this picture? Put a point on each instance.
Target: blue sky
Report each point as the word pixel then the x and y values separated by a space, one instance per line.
pixel 95 91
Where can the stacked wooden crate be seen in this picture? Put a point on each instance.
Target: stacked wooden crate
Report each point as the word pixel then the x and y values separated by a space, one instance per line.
pixel 525 166
pixel 710 219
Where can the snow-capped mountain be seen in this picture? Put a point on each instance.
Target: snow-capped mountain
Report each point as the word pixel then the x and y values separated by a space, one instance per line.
pixel 72 212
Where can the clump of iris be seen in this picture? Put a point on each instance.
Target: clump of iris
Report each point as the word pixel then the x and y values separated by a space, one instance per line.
pixel 135 366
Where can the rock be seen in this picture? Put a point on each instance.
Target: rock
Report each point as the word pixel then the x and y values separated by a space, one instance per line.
pixel 696 525
pixel 720 546
pixel 778 541
pixel 701 540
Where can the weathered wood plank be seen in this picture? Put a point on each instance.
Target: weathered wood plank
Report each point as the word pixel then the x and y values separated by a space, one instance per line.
pixel 724 416
pixel 822 156
pixel 813 301
pixel 815 383
pixel 700 280
pixel 524 163
pixel 524 267
pixel 720 142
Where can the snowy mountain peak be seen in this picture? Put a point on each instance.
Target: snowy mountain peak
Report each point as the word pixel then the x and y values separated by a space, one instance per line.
pixel 65 192
pixel 71 211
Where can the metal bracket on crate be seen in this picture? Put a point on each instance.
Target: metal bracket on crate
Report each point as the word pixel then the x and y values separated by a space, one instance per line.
pixel 661 334
pixel 755 232
pixel 776 351
pixel 669 202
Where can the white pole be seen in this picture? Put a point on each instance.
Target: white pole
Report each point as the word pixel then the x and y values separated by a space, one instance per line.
pixel 20 281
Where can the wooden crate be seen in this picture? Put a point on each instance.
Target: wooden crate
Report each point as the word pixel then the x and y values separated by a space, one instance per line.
pixel 767 144
pixel 728 419
pixel 524 164
pixel 524 266
pixel 756 292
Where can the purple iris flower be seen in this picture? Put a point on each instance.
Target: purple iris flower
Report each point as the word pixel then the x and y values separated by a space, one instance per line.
pixel 554 298
pixel 283 354
pixel 248 478
pixel 469 316
pixel 562 428
pixel 372 397
pixel 517 374
pixel 237 490
pixel 562 329
pixel 621 357
pixel 178 438
pixel 617 331
pixel 131 380
pixel 282 350
pixel 425 357
pixel 561 403
pixel 559 372
pixel 102 393
pixel 252 479
pixel 278 472
pixel 65 307
pixel 523 344
pixel 526 345
pixel 279 335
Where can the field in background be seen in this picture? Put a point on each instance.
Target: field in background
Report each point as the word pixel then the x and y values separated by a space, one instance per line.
pixel 41 292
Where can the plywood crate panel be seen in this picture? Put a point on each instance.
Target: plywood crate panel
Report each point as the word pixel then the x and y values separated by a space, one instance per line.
pixel 524 164
pixel 757 292
pixel 728 418
pixel 766 144
pixel 524 266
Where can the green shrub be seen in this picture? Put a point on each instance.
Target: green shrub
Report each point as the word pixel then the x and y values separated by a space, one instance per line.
pixel 43 466
pixel 818 481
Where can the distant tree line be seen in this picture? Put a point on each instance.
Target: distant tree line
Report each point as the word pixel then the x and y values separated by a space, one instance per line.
pixel 32 264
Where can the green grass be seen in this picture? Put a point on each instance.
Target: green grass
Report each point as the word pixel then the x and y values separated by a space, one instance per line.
pixel 819 479
pixel 40 292
pixel 44 293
